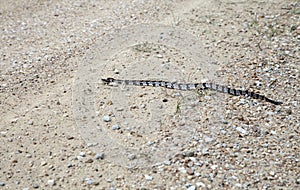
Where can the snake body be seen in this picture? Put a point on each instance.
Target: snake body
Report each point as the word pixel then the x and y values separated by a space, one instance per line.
pixel 191 86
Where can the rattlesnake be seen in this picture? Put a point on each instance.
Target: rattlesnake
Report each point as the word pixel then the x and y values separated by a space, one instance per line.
pixel 191 86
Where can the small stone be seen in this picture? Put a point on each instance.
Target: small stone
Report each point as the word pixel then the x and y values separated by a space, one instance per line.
pixel 182 170
pixel 201 184
pixel 43 163
pixel 241 130
pixel 188 153
pixel 192 187
pixel 91 144
pixel 120 109
pixel 190 171
pixel 159 56
pixel 205 151
pixel 238 185
pixel 242 102
pixel 131 157
pixel 116 71
pixel 245 25
pixel 89 181
pixel 82 154
pixel 115 127
pixel 89 160
pixel 213 167
pixel 208 139
pixel 197 174
pixel 272 173
pixel 149 143
pixel 109 180
pixel 167 162
pixel 51 182
pixel 99 156
pixel 70 138
pixel 35 186
pixel 2 183
pixel 224 121
pixel 148 177
pixel 106 118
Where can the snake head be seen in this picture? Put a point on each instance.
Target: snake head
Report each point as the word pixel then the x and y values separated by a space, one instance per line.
pixel 108 80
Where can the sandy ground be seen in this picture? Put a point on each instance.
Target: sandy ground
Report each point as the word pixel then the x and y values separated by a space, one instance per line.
pixel 53 106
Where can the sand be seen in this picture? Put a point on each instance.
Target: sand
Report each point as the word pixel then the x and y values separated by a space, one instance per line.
pixel 61 128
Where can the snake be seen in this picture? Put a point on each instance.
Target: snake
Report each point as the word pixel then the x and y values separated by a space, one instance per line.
pixel 191 86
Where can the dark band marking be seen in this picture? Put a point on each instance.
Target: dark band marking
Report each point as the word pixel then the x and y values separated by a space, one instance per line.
pixel 198 86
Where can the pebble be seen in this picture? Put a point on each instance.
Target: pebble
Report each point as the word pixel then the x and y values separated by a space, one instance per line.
pixel 208 139
pixel 272 173
pixel 91 144
pixel 2 183
pixel 43 163
pixel 89 160
pixel 241 130
pixel 188 153
pixel 238 185
pixel 190 171
pixel 159 56
pixel 51 182
pixel 82 154
pixel 148 177
pixel 35 186
pixel 213 167
pixel 149 143
pixel 242 101
pixel 167 162
pixel 115 127
pixel 106 118
pixel 119 109
pixel 197 174
pixel 201 184
pixel 89 181
pixel 131 157
pixel 182 169
pixel 99 156
pixel 116 71
pixel 205 151
pixel 192 187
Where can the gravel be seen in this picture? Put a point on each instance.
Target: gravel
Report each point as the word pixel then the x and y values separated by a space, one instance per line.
pixel 148 178
pixel 51 182
pixel 232 142
pixel 99 156
pixel 82 154
pixel 115 127
pixel 106 118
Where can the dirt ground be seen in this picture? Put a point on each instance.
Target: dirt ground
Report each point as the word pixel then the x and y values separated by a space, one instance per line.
pixel 61 128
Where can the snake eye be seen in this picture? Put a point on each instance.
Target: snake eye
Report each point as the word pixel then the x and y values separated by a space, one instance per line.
pixel 110 79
